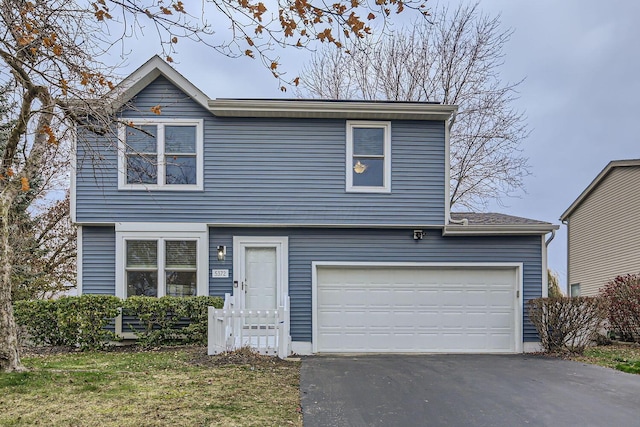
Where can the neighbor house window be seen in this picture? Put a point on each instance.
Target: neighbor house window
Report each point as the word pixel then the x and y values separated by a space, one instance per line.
pixel 574 290
pixel 159 263
pixel 161 155
pixel 368 157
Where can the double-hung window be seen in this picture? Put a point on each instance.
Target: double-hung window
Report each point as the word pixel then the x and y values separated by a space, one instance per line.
pixel 161 154
pixel 161 263
pixel 368 157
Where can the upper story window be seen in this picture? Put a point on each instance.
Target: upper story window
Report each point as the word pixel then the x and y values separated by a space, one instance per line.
pixel 368 157
pixel 161 154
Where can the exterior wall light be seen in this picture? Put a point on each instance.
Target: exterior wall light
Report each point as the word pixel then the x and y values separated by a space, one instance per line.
pixel 222 252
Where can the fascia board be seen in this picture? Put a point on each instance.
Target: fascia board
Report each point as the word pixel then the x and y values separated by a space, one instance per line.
pixel 330 109
pixel 147 73
pixel 598 179
pixel 476 230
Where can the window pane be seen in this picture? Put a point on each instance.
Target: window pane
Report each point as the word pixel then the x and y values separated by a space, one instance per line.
pixel 180 170
pixel 368 141
pixel 141 169
pixel 141 139
pixel 371 172
pixel 181 283
pixel 142 253
pixel 142 283
pixel 181 254
pixel 179 139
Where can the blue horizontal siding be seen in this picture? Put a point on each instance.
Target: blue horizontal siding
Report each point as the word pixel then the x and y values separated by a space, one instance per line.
pixel 354 245
pixel 98 260
pixel 377 245
pixel 274 171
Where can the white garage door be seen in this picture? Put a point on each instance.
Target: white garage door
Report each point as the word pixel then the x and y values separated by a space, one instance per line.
pixel 416 309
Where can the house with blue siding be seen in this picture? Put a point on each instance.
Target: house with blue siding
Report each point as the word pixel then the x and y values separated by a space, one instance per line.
pixel 337 210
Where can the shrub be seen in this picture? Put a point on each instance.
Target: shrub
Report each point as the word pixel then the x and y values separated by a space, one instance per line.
pixel 82 321
pixel 168 320
pixel 69 321
pixel 40 320
pixel 623 298
pixel 567 324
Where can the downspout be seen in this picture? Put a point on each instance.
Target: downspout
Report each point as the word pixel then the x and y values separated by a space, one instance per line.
pixel 545 266
pixel 553 234
pixel 463 221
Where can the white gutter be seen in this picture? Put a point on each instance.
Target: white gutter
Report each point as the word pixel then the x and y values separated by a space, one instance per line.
pixel 330 109
pixel 476 230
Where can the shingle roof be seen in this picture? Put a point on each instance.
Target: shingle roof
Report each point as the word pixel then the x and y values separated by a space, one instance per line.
pixel 491 218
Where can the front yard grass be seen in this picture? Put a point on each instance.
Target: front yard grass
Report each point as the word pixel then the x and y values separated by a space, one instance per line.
pixel 625 358
pixel 168 387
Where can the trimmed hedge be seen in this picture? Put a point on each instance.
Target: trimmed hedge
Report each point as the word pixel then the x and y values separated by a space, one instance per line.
pixel 69 321
pixel 84 321
pixel 159 321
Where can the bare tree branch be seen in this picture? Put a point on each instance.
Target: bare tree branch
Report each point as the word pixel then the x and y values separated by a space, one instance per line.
pixel 454 59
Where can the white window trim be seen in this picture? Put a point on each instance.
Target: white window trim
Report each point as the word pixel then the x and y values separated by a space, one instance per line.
pixel 161 235
pixel 161 122
pixel 386 188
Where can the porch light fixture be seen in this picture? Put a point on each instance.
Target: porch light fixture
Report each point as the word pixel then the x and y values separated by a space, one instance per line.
pixel 222 252
pixel 418 234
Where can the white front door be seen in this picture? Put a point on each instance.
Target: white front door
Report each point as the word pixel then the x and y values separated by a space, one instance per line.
pixel 261 271
pixel 260 277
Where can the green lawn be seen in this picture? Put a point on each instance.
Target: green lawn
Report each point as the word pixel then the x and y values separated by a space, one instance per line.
pixel 624 358
pixel 172 387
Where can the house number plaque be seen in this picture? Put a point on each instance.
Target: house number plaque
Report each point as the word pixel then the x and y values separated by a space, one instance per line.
pixel 220 273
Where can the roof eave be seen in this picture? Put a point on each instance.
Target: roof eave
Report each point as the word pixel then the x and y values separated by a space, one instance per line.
pixel 601 176
pixel 146 74
pixel 477 230
pixel 328 109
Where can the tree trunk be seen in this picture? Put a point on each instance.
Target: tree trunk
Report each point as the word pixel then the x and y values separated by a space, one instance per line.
pixel 9 351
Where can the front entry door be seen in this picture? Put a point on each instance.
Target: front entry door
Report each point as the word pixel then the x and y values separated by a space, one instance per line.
pixel 261 272
pixel 260 278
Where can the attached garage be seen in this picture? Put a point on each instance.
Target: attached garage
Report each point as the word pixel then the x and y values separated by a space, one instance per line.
pixel 417 308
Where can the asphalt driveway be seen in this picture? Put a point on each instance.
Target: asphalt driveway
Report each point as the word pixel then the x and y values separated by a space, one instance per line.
pixel 465 390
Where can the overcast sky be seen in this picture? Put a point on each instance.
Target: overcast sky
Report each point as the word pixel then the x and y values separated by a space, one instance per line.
pixel 580 62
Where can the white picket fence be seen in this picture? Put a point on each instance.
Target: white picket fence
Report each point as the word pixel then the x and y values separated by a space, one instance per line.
pixel 265 331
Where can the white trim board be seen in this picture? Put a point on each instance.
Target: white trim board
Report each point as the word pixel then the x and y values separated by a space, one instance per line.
pixel 518 301
pixel 386 127
pixel 160 232
pixel 281 243
pixel 160 154
pixel 79 260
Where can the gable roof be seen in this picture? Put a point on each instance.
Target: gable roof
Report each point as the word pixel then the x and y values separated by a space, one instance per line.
pixel 147 73
pixel 290 108
pixel 495 223
pixel 596 182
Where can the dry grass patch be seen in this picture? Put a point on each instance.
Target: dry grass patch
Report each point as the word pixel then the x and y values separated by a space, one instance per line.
pixel 154 388
pixel 623 357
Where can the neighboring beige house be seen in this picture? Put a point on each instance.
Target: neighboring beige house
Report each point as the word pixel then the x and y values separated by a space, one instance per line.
pixel 603 227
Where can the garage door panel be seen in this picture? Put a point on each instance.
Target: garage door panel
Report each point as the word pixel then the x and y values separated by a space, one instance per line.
pixel 415 309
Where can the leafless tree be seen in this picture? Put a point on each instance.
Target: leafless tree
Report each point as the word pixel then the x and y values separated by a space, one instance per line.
pixel 454 58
